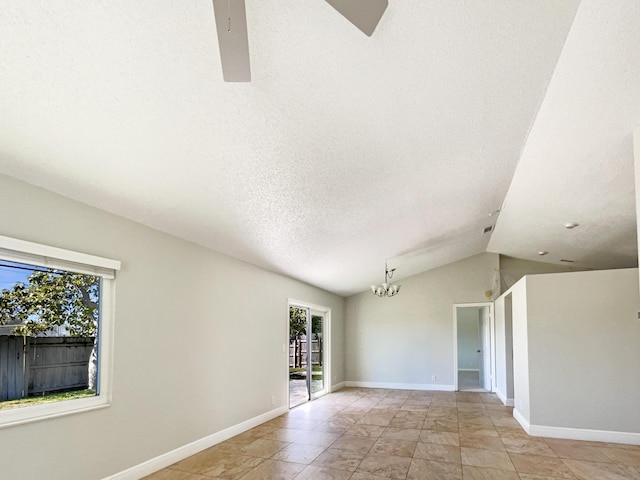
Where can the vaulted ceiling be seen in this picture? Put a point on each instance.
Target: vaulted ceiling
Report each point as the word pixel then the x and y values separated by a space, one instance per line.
pixel 344 150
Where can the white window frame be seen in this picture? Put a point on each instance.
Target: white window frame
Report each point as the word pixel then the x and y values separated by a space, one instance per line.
pixel 21 251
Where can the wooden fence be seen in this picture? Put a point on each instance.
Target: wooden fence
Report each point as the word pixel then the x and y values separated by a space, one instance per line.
pixel 38 365
pixel 298 351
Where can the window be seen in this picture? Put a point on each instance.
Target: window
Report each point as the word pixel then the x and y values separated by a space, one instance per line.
pixel 56 309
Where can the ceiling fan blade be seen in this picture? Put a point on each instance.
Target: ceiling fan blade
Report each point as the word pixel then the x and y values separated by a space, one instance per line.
pixel 231 25
pixel 364 14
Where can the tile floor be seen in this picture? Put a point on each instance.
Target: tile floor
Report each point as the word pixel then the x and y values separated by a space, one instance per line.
pixel 369 434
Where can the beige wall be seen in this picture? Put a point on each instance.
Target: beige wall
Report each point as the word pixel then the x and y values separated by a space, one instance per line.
pixel 403 341
pixel 197 347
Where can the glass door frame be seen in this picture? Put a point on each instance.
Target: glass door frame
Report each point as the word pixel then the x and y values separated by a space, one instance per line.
pixel 325 312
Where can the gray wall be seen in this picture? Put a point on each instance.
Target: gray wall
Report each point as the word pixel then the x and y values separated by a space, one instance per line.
pixel 405 340
pixel 584 350
pixel 513 269
pixel 195 309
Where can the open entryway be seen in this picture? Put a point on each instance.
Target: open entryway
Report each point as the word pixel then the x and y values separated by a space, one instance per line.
pixel 308 347
pixel 474 347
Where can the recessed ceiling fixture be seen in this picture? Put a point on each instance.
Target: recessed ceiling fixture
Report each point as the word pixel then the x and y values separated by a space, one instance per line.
pixel 571 225
pixel 386 290
pixel 542 252
pixel 495 212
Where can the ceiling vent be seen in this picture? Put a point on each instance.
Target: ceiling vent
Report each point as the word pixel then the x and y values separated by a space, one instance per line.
pixel 488 229
pixel 567 261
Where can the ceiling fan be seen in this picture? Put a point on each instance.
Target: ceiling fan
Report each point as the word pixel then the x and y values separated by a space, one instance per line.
pixel 231 24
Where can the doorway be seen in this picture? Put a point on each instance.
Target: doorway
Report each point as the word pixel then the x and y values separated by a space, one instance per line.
pixel 307 359
pixel 474 364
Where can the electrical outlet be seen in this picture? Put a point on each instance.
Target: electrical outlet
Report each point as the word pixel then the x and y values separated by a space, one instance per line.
pixel 273 400
pixel 433 378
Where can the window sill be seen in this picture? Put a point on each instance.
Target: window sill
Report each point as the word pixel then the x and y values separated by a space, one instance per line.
pixel 36 413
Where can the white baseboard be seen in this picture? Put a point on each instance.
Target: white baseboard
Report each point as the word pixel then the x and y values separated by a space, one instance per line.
pixel 158 463
pixel 521 420
pixel 585 434
pixel 402 386
pixel 468 370
pixel 503 398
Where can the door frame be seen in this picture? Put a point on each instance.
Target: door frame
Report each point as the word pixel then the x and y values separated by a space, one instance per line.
pixel 492 341
pixel 326 353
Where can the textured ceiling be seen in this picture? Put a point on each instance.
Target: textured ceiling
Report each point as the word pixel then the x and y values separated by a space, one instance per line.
pixel 344 150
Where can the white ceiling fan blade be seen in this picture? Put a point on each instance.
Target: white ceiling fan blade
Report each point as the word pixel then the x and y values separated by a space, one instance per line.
pixel 364 14
pixel 231 25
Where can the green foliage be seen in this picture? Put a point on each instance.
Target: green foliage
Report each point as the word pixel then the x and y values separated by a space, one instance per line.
pixel 48 398
pixel 52 298
pixel 298 322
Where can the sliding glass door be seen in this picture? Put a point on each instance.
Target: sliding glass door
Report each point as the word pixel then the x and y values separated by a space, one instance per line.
pixel 306 354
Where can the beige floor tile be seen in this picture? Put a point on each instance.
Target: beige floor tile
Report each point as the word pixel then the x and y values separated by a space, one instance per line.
pixel 470 407
pixel 397 434
pixel 225 465
pixel 584 470
pixel 530 476
pixel 438 402
pixel 475 418
pixel 319 438
pixel 274 470
pixel 468 397
pixel 476 457
pixel 285 435
pixel 263 447
pixel 322 473
pixel 338 459
pixel 477 473
pixel 366 476
pixel 473 429
pixel 505 422
pixel 490 398
pixel 358 430
pixel 437 453
pixel 624 456
pixel 385 466
pixel 299 453
pixel 529 446
pixel 421 469
pixel 352 443
pixel 632 471
pixel 379 419
pixel 399 422
pixel 540 465
pixel 564 449
pixel 440 425
pixel 511 432
pixel 412 434
pixel 440 411
pixel 168 474
pixel 443 438
pixel 481 441
pixel 394 447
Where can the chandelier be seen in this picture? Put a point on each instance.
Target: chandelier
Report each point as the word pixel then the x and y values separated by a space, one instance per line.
pixel 386 290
